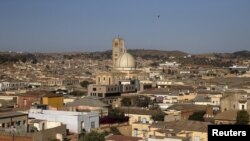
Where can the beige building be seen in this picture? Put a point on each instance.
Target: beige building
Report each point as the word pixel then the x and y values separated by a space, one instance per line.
pixel 139 115
pixel 235 101
pixel 227 117
pixel 194 130
pixel 124 66
pixel 13 119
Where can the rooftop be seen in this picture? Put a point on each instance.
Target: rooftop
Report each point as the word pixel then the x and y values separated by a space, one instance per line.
pixel 11 114
pixel 187 125
pixel 87 102
pixel 121 138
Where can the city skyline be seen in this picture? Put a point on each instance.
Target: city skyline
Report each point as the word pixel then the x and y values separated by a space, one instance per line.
pixel 86 26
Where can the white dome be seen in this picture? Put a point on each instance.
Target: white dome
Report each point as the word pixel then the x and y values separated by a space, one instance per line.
pixel 125 62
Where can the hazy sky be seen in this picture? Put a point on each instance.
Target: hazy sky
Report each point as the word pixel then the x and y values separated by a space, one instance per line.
pixel 193 26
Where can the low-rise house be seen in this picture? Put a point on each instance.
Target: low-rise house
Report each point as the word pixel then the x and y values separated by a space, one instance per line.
pixel 76 122
pixel 227 117
pixel 37 131
pixel 186 109
pixel 164 95
pixel 194 130
pixel 137 114
pixel 88 104
pixel 235 101
pixel 12 85
pixel 182 130
pixel 202 100
pixel 40 97
pixel 13 119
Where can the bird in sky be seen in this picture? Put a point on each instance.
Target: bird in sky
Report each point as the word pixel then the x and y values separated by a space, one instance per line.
pixel 158 16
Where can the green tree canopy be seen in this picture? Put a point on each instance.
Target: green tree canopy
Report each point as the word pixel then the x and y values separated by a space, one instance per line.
pixel 94 136
pixel 159 116
pixel 126 101
pixel 198 116
pixel 115 131
pixel 85 83
pixel 242 117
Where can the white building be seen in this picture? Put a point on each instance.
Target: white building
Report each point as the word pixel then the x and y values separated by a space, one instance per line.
pixel 76 122
pixel 12 85
pixel 169 64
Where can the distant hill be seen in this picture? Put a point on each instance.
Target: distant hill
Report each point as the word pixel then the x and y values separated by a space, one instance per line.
pixel 238 54
pixel 144 53
pixel 244 53
pixel 6 57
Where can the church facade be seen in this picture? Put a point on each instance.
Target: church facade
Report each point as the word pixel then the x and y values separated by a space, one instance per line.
pixel 124 66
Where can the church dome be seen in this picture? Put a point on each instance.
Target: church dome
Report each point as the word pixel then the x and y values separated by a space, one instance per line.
pixel 125 62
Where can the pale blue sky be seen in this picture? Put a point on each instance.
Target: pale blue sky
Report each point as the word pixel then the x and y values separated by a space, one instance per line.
pixel 193 26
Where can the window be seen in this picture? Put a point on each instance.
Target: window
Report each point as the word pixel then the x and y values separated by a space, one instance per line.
pixel 196 138
pixel 18 122
pixel 94 89
pixel 92 124
pixel 144 120
pixel 99 94
pixel 135 132
pixel 242 107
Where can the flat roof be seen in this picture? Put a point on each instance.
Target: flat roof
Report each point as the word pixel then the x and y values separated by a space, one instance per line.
pixel 11 114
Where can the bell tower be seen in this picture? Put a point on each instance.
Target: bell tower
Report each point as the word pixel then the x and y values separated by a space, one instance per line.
pixel 118 48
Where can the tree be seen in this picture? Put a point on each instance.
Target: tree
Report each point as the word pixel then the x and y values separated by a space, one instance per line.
pixel 159 116
pixel 115 131
pixel 198 116
pixel 242 117
pixel 94 136
pixel 126 101
pixel 85 83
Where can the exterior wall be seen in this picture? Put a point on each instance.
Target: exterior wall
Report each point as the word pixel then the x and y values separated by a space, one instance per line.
pixel 140 130
pixel 54 82
pixel 215 99
pixel 14 138
pixel 46 135
pixel 224 122
pixel 50 134
pixel 172 117
pixel 4 86
pixel 100 110
pixel 53 101
pixel 185 97
pixel 139 118
pixel 170 99
pixel 231 102
pixel 75 121
pixel 125 130
pixel 27 101
pixel 202 136
pixel 14 121
pixel 103 90
pixel 153 133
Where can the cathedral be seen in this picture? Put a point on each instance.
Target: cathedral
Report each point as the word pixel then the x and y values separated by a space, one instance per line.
pixel 124 66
